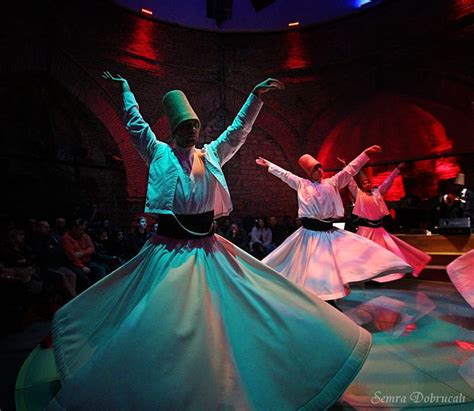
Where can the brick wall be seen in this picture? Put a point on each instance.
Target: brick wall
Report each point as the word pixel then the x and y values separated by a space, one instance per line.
pixel 406 47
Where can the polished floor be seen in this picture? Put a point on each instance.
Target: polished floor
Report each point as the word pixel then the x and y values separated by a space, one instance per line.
pixel 422 355
pixel 423 348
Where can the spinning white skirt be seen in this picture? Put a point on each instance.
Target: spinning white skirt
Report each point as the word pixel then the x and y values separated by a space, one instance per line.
pixel 325 262
pixel 416 258
pixel 461 273
pixel 202 325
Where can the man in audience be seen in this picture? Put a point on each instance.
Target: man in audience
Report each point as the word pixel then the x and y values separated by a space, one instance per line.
pixel 139 236
pixel 78 248
pixel 51 261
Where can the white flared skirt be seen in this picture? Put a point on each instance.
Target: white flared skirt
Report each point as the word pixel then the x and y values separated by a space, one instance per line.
pixel 202 325
pixel 325 262
pixel 461 273
pixel 416 258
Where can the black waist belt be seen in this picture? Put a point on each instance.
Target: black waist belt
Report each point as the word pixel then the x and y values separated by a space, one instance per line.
pixel 365 222
pixel 188 226
pixel 316 225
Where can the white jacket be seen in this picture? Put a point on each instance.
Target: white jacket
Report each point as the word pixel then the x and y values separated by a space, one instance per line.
pixel 163 164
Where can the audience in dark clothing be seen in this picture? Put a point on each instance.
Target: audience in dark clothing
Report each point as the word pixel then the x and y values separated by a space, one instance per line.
pixel 139 236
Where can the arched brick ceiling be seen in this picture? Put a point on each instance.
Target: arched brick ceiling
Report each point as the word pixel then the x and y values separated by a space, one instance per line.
pixel 405 126
pixel 244 17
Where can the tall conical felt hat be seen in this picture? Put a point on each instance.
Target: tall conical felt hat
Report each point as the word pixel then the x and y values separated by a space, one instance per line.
pixel 178 109
pixel 460 179
pixel 307 162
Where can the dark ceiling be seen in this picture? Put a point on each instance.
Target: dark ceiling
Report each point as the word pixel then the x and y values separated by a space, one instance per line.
pixel 246 15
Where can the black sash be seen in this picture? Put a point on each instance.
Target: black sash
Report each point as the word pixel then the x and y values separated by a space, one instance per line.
pixel 365 222
pixel 314 224
pixel 199 224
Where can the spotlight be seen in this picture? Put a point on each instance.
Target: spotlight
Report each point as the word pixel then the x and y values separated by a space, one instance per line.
pixel 261 4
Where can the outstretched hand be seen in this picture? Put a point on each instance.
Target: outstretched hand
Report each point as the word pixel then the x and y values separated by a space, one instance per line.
pixel 269 84
pixel 262 162
pixel 401 166
pixel 373 149
pixel 117 80
pixel 342 161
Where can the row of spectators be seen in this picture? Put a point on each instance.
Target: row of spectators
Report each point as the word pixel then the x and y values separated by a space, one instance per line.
pixel 43 266
pixel 53 264
pixel 257 236
pixel 47 265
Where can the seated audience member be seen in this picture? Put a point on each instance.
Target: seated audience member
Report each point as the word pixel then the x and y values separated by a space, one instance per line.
pixel 223 226
pixel 18 255
pixel 58 230
pixel 236 235
pixel 288 225
pixel 103 254
pixel 120 247
pixel 30 230
pixel 260 239
pixel 78 247
pixel 51 261
pixel 154 228
pixel 278 232
pixel 247 224
pixel 139 236
pixel 107 226
pixel 14 297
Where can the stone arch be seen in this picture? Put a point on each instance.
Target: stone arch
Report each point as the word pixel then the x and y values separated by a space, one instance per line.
pixel 90 92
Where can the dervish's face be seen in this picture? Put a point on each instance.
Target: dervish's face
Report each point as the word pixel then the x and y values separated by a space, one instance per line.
pixel 317 172
pixel 366 185
pixel 187 133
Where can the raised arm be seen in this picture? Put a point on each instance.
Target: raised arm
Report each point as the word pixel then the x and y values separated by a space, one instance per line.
pixel 353 187
pixel 142 136
pixel 289 178
pixel 385 186
pixel 344 176
pixel 235 135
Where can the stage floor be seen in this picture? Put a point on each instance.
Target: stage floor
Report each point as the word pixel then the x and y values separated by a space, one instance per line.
pixel 423 347
pixel 422 355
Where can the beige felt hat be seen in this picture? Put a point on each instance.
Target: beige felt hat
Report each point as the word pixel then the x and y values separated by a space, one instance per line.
pixel 307 162
pixel 178 109
pixel 460 179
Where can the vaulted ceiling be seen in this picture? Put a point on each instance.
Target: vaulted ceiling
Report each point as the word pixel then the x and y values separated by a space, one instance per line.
pixel 246 15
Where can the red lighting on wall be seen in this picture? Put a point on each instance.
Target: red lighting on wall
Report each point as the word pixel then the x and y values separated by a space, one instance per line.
pixel 142 45
pixel 461 9
pixel 146 11
pixel 297 54
pixel 397 190
pixel 446 168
